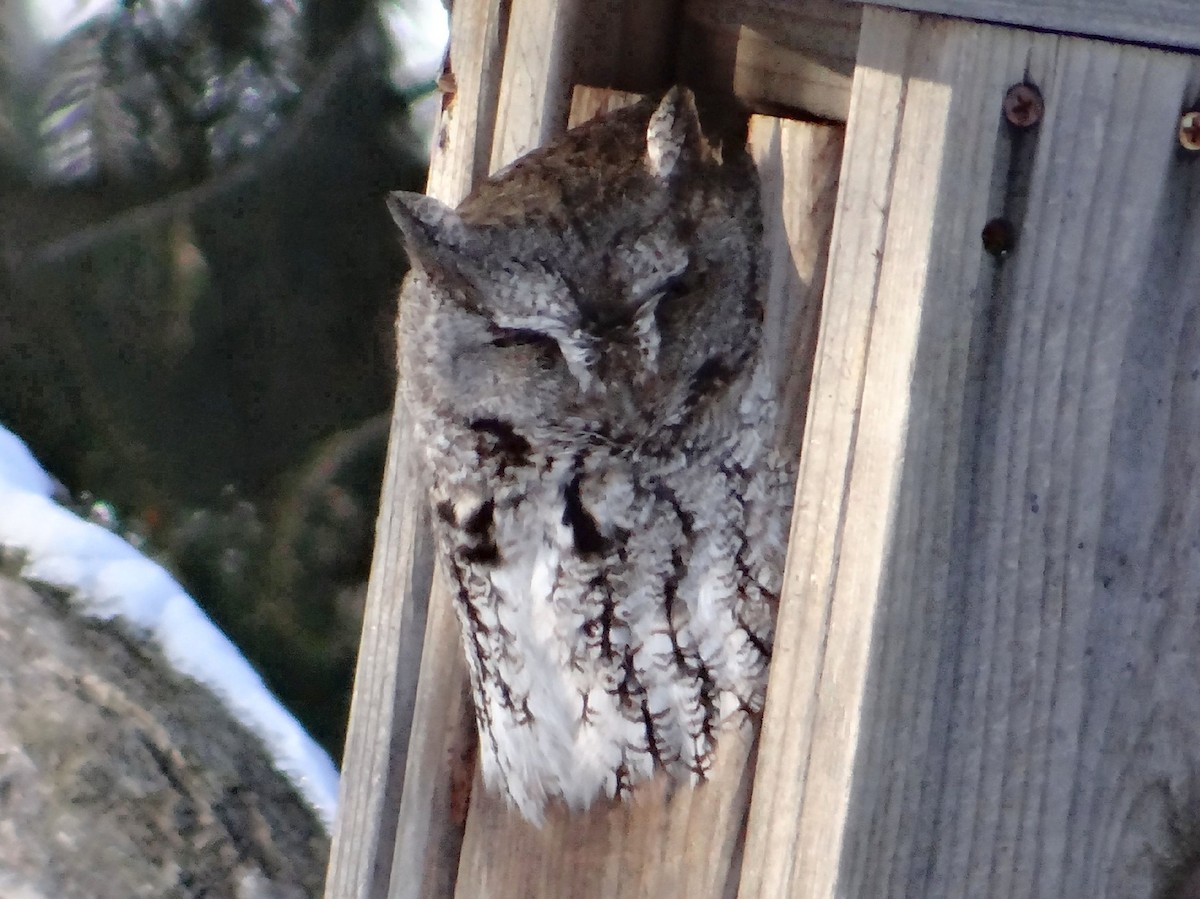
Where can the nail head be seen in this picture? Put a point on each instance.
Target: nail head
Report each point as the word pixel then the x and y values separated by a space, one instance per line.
pixel 1023 105
pixel 1189 131
pixel 999 237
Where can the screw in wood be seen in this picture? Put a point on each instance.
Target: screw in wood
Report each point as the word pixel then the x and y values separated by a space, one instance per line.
pixel 1023 105
pixel 999 237
pixel 1189 131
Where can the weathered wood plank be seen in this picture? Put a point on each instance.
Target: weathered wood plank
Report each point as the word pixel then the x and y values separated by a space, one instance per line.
pixel 798 165
pixel 431 814
pixel 667 842
pixel 462 147
pixel 984 682
pixel 589 102
pixel 773 53
pixel 441 744
pixel 381 708
pixel 535 91
pixel 1171 23
pixel 676 842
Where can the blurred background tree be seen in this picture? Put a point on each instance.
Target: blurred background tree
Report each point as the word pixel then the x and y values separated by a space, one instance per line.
pixel 197 289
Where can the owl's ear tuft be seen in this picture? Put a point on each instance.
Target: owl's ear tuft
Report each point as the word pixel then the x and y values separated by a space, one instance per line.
pixel 673 139
pixel 432 230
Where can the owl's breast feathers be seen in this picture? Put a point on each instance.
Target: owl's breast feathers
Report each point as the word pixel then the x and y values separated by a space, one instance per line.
pixel 616 615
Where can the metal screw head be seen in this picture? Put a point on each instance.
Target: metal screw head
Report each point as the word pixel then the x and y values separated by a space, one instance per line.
pixel 999 237
pixel 1189 131
pixel 1023 105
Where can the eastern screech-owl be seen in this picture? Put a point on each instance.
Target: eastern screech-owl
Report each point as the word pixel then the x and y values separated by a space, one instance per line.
pixel 580 353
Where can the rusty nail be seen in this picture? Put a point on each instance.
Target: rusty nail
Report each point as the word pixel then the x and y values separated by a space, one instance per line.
pixel 1189 131
pixel 1023 105
pixel 998 237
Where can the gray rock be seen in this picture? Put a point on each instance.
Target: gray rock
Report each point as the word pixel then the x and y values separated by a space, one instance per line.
pixel 121 778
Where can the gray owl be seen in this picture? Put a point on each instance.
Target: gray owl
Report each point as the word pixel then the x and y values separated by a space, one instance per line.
pixel 580 355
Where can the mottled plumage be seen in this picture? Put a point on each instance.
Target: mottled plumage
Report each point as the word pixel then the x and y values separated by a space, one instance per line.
pixel 580 353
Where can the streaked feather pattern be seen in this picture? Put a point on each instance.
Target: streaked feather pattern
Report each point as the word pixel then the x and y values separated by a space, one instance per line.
pixel 580 352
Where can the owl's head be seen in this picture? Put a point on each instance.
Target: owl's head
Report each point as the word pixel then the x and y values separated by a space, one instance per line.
pixel 608 281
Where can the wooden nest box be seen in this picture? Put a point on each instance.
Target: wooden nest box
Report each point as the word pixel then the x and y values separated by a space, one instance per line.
pixel 984 224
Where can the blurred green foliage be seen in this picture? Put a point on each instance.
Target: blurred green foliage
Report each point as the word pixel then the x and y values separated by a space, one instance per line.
pixel 210 351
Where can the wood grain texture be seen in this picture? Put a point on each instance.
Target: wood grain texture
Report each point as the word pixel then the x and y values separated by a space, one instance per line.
pixel 985 682
pixel 441 740
pixel 381 708
pixel 535 91
pixel 589 102
pixel 798 164
pixel 441 758
pixel 669 841
pixel 773 53
pixel 1170 23
pixel 462 144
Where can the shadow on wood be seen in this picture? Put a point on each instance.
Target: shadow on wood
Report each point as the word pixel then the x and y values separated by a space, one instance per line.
pixel 985 677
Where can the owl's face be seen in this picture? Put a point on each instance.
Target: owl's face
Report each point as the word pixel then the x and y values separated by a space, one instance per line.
pixel 613 293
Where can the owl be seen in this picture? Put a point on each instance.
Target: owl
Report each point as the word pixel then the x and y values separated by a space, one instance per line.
pixel 580 352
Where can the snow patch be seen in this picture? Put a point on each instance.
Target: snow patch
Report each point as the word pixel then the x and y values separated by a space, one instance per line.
pixel 107 578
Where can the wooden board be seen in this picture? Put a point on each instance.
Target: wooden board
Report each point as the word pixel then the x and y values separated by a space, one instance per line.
pixel 668 842
pixel 985 681
pixel 798 164
pixel 1170 23
pixel 462 146
pixel 535 91
pixel 589 102
pixel 772 54
pixel 381 707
